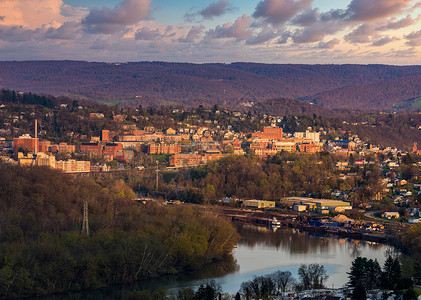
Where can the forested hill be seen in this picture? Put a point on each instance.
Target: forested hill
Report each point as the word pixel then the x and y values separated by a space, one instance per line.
pixel 42 250
pixel 156 83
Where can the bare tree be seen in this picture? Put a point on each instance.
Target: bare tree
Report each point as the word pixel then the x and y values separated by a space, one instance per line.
pixel 283 279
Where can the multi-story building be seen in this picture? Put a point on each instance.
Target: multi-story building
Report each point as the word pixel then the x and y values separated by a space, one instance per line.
pixel 63 147
pixel 185 160
pixel 39 159
pixel 161 148
pixel 110 149
pixel 309 148
pixel 269 133
pixel 91 148
pixel 105 136
pixel 73 166
pixel 25 142
pixel 44 146
pixel 284 146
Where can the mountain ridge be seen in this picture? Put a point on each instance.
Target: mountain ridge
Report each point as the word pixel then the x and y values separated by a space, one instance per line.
pixel 356 87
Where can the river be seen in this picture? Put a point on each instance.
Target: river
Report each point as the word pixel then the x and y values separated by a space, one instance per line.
pixel 262 251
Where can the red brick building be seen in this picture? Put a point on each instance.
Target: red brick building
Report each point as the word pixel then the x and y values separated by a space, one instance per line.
pixel 105 136
pixel 44 146
pixel 269 133
pixel 24 142
pixel 63 147
pixel 110 149
pixel 161 148
pixel 309 148
pixel 91 148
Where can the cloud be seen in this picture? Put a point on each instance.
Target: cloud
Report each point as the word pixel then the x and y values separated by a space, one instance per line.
pixel 315 32
pixel 363 10
pixel 362 34
pixel 73 12
pixel 398 24
pixel 383 41
pixel 107 21
pixel 329 45
pixel 307 18
pixel 100 44
pixel 192 35
pixel 414 39
pixel 18 33
pixel 262 37
pixel 216 9
pixel 239 30
pixel 284 37
pixel 2 18
pixel 67 31
pixel 280 11
pixel 33 13
pixel 147 34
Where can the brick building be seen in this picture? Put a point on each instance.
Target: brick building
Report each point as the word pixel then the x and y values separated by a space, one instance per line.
pixel 110 149
pixel 269 133
pixel 161 148
pixel 309 148
pixel 63 147
pixel 185 160
pixel 105 136
pixel 91 148
pixel 24 142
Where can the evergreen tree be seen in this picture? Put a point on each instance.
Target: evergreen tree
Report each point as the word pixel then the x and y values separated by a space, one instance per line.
pixel 359 292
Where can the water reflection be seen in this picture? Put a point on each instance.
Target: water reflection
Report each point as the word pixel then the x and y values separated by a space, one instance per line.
pixel 294 241
pixel 262 251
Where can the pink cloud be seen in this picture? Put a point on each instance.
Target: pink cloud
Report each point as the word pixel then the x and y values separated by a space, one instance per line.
pixel 239 30
pixel 364 10
pixel 192 35
pixel 280 11
pixel 128 12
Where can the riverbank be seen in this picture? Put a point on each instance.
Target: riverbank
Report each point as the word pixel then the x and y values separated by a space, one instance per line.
pixel 367 231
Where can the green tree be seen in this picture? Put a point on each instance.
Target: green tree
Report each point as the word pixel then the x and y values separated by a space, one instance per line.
pixel 359 292
pixel 365 271
pixel 208 291
pixel 391 274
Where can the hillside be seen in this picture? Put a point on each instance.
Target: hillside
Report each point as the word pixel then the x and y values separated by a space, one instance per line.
pixel 157 83
pixel 44 252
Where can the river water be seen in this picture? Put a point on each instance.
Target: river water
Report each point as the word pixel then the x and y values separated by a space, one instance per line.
pixel 262 251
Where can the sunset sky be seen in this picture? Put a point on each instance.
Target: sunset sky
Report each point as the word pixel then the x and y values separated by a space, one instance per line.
pixel 270 31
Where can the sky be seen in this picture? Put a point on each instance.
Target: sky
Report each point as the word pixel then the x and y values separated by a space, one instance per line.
pixel 207 31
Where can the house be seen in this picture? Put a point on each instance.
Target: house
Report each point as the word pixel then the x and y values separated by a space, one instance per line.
pixel 391 214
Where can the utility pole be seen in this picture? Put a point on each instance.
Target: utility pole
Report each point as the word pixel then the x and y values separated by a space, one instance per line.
pixel 85 223
pixel 157 175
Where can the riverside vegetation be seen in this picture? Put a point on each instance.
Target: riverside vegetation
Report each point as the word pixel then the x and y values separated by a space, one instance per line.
pixel 42 250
